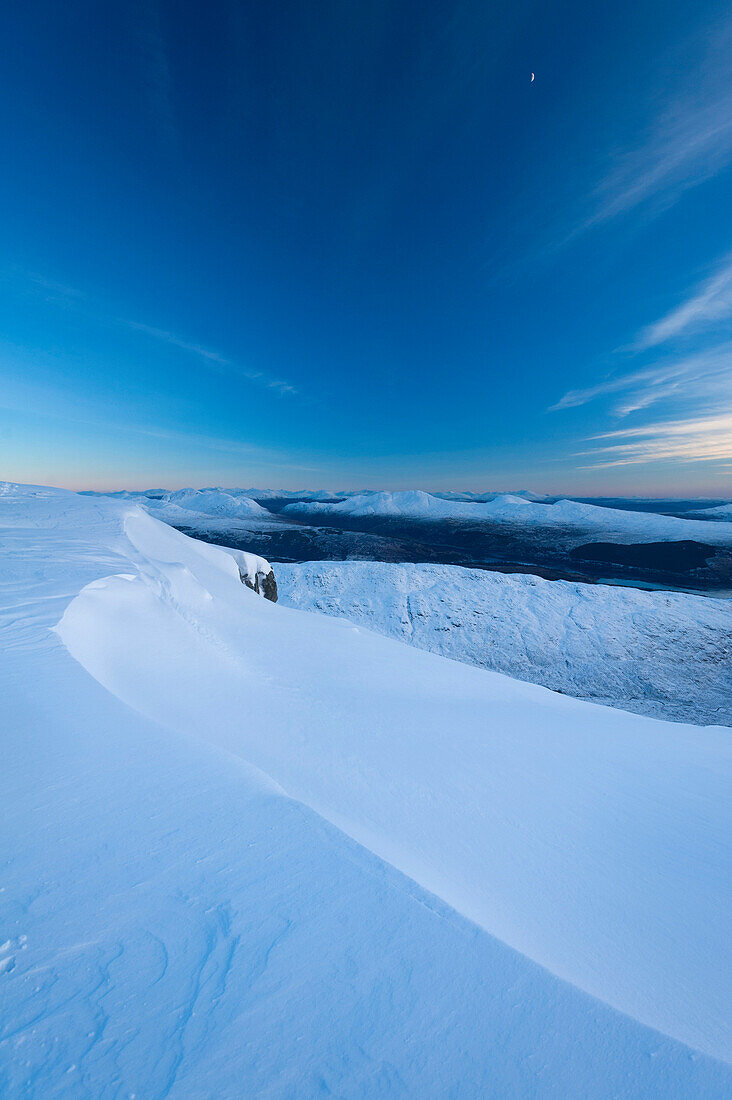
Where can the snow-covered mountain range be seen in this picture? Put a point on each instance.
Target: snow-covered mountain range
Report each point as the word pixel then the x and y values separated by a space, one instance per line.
pixel 666 654
pixel 519 511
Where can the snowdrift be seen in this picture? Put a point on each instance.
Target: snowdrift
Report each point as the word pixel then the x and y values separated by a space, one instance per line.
pixel 425 762
pixel 207 838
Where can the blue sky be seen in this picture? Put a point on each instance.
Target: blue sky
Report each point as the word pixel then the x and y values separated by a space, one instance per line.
pixel 352 244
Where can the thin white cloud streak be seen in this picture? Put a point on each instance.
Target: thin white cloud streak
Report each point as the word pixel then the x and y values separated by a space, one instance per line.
pixel 212 358
pixel 695 439
pixel 700 384
pixel 55 290
pixel 704 376
pixel 709 304
pixel 701 381
pixel 171 338
pixel 71 298
pixel 691 146
pixel 572 399
pixel 673 427
pixel 690 142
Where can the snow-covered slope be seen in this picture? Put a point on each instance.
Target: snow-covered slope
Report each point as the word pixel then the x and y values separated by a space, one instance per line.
pixel 722 511
pixel 178 926
pixel 666 654
pixel 626 526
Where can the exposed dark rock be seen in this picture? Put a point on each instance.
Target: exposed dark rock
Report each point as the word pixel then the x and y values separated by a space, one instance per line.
pixel 264 584
pixel 269 586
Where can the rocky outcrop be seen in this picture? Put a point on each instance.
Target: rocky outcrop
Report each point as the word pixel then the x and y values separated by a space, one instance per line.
pixel 255 572
pixel 264 584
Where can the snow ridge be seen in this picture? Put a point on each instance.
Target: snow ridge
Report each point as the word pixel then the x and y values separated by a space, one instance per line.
pixel 424 761
pixel 177 925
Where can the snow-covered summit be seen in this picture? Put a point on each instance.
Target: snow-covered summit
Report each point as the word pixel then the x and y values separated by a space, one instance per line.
pixel 207 502
pixel 244 845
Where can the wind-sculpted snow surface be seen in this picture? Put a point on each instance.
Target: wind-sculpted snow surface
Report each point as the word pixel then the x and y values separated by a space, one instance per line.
pixel 177 925
pixel 666 654
pixel 515 510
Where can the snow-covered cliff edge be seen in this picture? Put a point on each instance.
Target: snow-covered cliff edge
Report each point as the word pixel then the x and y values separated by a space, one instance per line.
pixel 666 654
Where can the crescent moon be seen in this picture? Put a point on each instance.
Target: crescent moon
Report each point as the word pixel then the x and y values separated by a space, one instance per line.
pixel 532 78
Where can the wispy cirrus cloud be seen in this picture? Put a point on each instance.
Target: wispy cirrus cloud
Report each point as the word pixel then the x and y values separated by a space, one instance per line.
pixel 700 384
pixel 572 399
pixel 708 305
pixel 692 392
pixel 53 291
pixel 694 439
pixel 70 298
pixel 706 375
pixel 685 398
pixel 212 358
pixel 689 142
